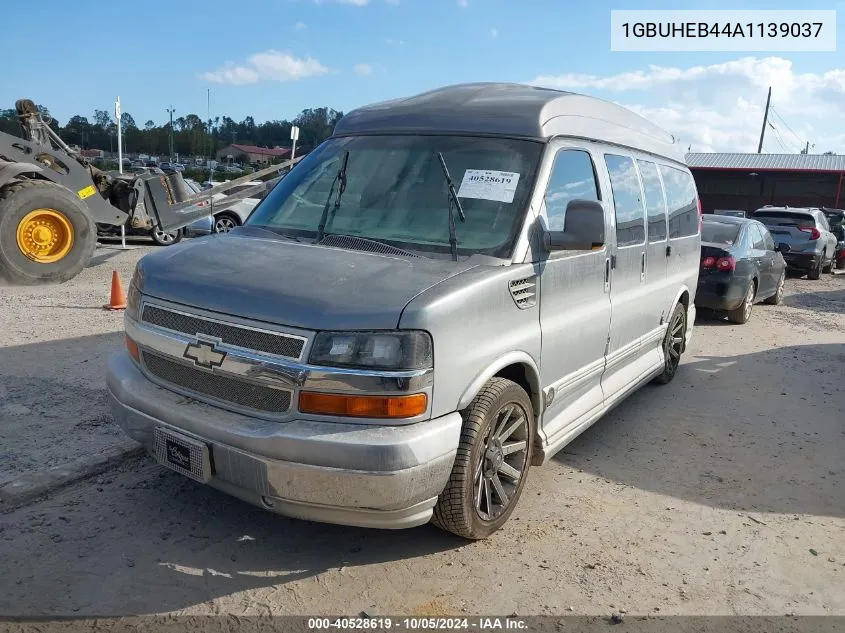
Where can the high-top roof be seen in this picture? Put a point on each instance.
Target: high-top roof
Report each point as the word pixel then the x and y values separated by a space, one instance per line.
pixel 511 110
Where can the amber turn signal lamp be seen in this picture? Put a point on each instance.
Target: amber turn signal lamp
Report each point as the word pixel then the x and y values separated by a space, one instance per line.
pixel 132 348
pixel 362 406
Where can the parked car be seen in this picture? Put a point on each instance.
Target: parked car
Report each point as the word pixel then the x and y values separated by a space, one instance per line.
pixel 740 265
pixel 352 355
pixel 836 219
pixel 737 213
pixel 237 214
pixel 812 247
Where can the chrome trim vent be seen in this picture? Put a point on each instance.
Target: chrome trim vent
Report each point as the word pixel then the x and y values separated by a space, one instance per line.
pixel 248 338
pixel 524 292
pixel 218 386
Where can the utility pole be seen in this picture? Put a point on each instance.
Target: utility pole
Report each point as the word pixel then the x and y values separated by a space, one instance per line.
pixel 208 113
pixel 170 110
pixel 765 121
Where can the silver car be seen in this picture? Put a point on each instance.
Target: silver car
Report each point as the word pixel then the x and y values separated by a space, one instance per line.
pixel 443 294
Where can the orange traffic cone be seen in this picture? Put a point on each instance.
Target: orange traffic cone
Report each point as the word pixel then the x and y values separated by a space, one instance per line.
pixel 118 297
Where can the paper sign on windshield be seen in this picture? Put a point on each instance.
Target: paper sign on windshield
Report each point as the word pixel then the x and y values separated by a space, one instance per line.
pixel 486 184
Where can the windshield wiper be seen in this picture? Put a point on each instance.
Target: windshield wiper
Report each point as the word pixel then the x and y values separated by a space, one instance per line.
pixel 341 178
pixel 453 197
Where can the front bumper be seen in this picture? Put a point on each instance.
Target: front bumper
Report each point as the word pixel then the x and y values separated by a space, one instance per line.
pixel 350 474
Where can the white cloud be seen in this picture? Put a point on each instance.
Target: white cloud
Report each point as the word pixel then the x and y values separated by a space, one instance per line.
pixel 719 107
pixel 299 26
pixel 363 69
pixel 270 65
pixel 494 32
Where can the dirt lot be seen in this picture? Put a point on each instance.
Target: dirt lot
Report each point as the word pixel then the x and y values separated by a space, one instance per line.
pixel 54 342
pixel 721 493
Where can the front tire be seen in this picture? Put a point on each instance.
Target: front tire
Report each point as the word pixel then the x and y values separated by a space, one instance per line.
pixel 166 238
pixel 47 234
pixel 491 466
pixel 225 222
pixel 673 344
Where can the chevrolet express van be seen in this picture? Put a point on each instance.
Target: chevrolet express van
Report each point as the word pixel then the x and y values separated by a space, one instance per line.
pixel 440 296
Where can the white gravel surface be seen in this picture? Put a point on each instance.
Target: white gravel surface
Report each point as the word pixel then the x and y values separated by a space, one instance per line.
pixel 54 342
pixel 721 493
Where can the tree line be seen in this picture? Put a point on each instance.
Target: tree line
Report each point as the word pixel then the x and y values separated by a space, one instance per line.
pixel 192 136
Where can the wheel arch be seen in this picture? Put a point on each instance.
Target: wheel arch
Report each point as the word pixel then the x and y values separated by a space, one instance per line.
pixel 520 368
pixel 10 172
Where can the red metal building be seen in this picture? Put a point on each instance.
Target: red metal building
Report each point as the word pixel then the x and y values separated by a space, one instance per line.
pixel 749 181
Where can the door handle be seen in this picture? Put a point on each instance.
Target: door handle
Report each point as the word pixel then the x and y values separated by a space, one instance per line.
pixel 642 267
pixel 668 251
pixel 607 274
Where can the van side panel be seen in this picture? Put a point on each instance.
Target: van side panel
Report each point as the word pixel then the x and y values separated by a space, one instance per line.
pixel 475 321
pixel 684 229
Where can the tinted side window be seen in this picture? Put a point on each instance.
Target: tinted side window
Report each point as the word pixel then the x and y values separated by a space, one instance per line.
pixel 573 177
pixel 682 200
pixel 628 200
pixel 654 203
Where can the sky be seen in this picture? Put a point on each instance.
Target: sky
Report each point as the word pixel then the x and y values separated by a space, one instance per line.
pixel 270 59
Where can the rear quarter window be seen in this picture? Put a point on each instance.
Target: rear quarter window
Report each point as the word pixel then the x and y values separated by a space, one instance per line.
pixel 682 200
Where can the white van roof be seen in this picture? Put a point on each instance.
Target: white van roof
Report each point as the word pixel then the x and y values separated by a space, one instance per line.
pixel 514 111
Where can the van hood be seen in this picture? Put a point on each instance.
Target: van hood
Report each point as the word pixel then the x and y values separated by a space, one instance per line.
pixel 248 274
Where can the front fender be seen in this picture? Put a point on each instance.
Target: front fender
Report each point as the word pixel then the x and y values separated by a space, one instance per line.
pixel 11 171
pixel 511 358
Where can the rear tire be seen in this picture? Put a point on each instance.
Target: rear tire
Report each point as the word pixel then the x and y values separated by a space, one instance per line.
pixel 674 343
pixel 741 315
pixel 828 270
pixel 815 272
pixel 777 298
pixel 487 481
pixel 840 264
pixel 64 219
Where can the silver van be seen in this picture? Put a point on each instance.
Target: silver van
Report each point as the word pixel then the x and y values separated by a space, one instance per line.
pixel 441 295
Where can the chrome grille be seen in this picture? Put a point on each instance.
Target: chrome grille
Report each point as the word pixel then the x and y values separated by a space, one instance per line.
pixel 268 342
pixel 221 387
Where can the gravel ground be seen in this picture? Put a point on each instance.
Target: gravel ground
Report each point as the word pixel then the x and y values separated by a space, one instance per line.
pixel 720 493
pixel 54 342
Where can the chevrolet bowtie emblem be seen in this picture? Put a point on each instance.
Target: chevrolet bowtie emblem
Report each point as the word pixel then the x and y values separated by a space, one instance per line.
pixel 204 354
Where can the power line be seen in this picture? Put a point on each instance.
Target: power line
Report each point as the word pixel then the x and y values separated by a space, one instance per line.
pixel 782 120
pixel 781 141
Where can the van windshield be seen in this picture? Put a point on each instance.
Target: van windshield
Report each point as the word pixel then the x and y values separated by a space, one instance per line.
pixel 395 192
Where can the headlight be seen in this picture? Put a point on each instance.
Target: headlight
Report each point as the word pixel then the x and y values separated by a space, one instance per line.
pixel 133 302
pixel 373 350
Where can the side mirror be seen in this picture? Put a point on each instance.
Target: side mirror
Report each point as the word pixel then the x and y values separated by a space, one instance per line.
pixel 583 228
pixel 783 247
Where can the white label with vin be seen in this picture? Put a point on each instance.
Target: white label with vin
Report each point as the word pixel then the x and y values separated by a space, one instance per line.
pixel 485 184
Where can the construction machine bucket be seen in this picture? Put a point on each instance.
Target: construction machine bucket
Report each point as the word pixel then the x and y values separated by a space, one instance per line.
pixel 162 197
